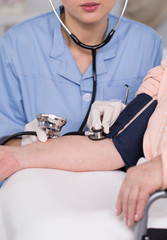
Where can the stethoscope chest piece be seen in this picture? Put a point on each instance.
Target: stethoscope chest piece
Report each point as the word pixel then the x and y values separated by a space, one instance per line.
pixel 51 124
pixel 97 135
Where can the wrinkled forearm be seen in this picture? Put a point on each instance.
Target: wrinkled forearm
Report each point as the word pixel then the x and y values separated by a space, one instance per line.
pixel 72 153
pixel 14 142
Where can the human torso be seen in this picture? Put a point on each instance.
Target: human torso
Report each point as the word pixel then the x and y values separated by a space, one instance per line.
pixel 156 134
pixel 50 81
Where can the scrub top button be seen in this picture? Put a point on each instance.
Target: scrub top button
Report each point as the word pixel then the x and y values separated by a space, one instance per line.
pixel 87 97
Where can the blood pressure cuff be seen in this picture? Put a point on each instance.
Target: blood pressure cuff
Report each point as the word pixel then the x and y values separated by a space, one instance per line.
pixel 129 142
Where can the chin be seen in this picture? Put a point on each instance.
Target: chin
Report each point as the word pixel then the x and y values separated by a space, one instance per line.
pixel 91 19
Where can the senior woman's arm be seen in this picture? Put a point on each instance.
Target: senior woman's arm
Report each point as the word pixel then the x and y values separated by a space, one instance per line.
pixel 143 180
pixel 71 153
pixel 140 182
pixel 151 83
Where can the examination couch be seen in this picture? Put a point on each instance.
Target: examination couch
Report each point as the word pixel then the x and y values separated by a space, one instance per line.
pixel 40 204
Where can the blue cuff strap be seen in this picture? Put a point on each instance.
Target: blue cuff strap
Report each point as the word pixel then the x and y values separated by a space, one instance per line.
pixel 129 142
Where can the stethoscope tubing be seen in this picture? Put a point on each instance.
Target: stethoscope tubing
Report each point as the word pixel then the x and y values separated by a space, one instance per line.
pixel 93 48
pixel 68 31
pixel 17 135
pixel 94 90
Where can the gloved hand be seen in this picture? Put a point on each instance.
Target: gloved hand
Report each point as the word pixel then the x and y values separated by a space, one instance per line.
pixel 33 126
pixel 103 114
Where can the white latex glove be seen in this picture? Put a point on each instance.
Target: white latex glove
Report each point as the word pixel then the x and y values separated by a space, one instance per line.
pixel 33 126
pixel 103 114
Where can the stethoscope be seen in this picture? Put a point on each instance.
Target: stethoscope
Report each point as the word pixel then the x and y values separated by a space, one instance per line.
pixel 94 51
pixel 53 124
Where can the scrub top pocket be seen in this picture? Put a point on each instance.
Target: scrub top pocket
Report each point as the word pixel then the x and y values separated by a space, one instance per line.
pixel 117 89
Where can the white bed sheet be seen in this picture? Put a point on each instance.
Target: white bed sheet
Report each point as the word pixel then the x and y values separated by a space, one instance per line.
pixel 47 204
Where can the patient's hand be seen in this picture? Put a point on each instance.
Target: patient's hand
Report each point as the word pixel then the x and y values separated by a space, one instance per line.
pixel 8 162
pixel 139 183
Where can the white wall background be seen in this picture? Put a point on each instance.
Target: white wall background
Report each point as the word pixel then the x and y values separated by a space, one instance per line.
pixel 44 6
pixel 40 5
pixel 35 7
pixel 162 30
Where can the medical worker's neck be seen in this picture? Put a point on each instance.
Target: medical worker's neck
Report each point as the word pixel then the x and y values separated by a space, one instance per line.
pixel 88 33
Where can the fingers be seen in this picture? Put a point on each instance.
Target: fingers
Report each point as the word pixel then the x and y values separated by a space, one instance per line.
pixel 41 134
pixel 140 182
pixel 104 113
pixel 111 113
pixel 127 204
pixel 119 201
pixel 128 198
pixel 132 202
pixel 119 107
pixel 28 139
pixel 141 203
pixel 107 119
pixel 96 119
pixel 31 126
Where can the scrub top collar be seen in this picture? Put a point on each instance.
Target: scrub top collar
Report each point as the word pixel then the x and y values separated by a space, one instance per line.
pixel 59 51
pixel 58 44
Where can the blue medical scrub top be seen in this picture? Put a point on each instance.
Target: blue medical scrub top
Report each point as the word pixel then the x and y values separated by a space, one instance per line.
pixel 38 73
